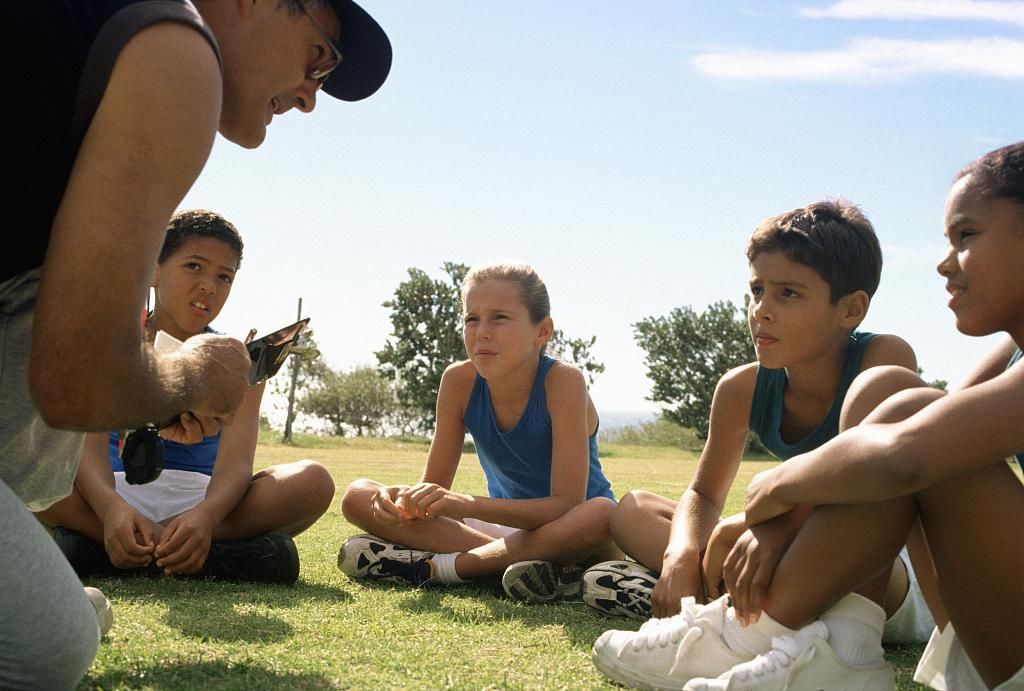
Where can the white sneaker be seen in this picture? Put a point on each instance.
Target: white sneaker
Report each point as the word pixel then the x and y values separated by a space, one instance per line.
pixel 104 612
pixel 620 589
pixel 367 556
pixel 803 662
pixel 541 581
pixel 666 653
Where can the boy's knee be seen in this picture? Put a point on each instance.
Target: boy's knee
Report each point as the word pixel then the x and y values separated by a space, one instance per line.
pixel 320 483
pixel 874 386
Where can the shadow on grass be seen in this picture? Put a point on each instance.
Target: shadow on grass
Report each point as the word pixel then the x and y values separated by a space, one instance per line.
pixel 202 675
pixel 484 601
pixel 218 610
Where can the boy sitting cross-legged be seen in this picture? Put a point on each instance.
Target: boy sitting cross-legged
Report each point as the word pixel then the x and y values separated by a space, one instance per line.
pixel 813 271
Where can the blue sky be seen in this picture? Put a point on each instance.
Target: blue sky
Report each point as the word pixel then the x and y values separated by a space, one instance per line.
pixel 626 150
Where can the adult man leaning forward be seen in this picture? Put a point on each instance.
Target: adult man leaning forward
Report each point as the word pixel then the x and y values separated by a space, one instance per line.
pixel 114 108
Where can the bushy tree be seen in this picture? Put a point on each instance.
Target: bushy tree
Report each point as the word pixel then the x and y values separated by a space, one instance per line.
pixel 307 368
pixel 426 337
pixel 361 399
pixel 686 355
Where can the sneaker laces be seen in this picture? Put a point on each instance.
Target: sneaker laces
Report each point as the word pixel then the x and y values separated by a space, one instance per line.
pixel 785 650
pixel 668 630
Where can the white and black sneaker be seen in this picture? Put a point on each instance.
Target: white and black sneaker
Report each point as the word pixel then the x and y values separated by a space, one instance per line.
pixel 369 557
pixel 620 589
pixel 541 581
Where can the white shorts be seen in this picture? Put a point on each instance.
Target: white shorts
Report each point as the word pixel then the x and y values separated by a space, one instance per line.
pixel 495 530
pixel 913 621
pixel 946 667
pixel 174 492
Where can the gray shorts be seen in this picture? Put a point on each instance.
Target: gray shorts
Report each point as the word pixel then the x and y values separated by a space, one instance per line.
pixel 37 462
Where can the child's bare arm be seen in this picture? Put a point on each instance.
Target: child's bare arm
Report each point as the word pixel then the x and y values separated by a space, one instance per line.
pixel 702 503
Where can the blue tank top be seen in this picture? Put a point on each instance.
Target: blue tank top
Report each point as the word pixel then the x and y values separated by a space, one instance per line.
pixel 196 458
pixel 766 407
pixel 517 463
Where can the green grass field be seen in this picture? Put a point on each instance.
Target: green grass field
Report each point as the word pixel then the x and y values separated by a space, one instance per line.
pixel 329 632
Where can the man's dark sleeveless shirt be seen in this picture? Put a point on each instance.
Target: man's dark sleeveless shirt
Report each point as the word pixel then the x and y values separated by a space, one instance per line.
pixel 57 56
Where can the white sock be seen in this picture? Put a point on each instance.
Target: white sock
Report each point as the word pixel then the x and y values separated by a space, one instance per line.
pixel 444 568
pixel 855 626
pixel 755 639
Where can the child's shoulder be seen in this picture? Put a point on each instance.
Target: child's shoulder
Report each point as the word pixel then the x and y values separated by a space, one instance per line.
pixel 462 372
pixel 888 349
pixel 738 383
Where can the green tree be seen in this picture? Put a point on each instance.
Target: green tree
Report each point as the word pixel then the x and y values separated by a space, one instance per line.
pixel 687 353
pixel 361 399
pixel 426 337
pixel 307 368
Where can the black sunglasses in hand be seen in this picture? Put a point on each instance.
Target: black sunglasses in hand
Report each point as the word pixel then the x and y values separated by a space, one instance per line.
pixel 142 453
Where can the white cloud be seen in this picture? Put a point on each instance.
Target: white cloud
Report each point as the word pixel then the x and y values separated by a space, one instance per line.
pixel 868 59
pixel 1006 11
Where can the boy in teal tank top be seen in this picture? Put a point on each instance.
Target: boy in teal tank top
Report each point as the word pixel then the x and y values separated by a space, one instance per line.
pixel 813 272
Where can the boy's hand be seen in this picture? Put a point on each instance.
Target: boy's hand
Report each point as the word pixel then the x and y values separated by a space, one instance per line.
pixel 761 506
pixel 128 536
pixel 723 537
pixel 429 500
pixel 185 543
pixel 191 428
pixel 680 577
pixel 751 564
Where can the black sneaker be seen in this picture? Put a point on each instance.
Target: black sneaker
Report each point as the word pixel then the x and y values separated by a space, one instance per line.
pixel 87 558
pixel 270 558
pixel 367 556
pixel 539 581
pixel 620 589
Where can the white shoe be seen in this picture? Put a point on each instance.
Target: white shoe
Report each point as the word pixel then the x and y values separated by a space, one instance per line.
pixel 541 581
pixel 802 662
pixel 666 653
pixel 104 612
pixel 620 589
pixel 367 556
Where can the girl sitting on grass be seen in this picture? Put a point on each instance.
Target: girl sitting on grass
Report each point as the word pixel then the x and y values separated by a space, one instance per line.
pixel 535 431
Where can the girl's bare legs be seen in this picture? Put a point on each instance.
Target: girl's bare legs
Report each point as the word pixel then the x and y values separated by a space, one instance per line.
pixel 974 528
pixel 641 524
pixel 582 533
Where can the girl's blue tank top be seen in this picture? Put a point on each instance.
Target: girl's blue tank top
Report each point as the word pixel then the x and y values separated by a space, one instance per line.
pixel 517 463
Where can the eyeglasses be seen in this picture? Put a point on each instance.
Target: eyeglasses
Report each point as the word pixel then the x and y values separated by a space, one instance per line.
pixel 322 70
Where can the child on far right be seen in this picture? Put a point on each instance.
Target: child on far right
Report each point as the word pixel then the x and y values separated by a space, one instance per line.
pixel 921 457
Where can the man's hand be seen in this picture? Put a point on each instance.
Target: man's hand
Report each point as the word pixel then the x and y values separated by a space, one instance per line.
pixel 221 365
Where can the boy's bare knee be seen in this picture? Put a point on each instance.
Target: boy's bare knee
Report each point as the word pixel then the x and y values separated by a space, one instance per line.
pixel 320 485
pixel 874 386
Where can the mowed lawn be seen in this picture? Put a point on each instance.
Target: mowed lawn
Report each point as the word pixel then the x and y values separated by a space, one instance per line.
pixel 330 632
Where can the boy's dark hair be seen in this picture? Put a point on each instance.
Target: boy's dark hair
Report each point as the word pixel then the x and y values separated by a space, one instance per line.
pixel 200 223
pixel 833 237
pixel 999 174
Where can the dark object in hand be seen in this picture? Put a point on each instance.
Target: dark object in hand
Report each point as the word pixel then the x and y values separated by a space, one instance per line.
pixel 142 456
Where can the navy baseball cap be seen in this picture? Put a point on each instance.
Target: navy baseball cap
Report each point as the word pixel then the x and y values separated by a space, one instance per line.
pixel 366 53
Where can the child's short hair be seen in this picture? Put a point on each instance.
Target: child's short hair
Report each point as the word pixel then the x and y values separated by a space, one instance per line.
pixel 999 174
pixel 833 237
pixel 200 223
pixel 532 291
